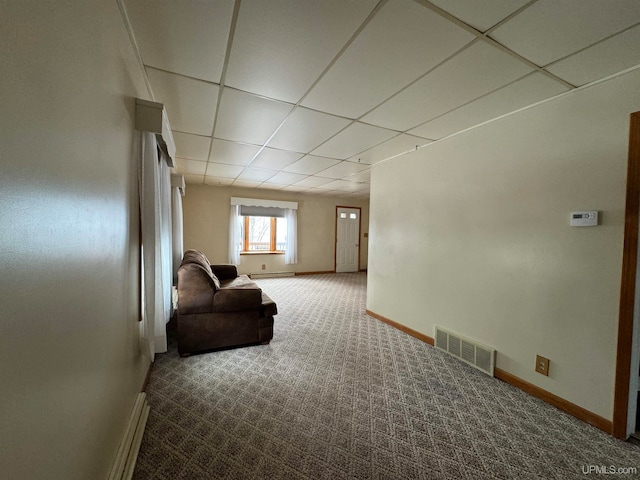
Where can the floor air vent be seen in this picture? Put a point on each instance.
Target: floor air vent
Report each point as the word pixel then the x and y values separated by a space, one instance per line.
pixel 467 350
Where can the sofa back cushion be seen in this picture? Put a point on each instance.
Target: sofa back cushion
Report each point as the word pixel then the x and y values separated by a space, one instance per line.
pixel 195 257
pixel 195 290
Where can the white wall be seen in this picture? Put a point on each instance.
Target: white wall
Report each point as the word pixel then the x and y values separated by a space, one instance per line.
pixel 472 233
pixel 68 226
pixel 206 228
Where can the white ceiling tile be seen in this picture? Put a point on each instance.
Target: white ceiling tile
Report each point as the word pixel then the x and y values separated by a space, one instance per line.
pixel 480 15
pixel 256 174
pixel 280 47
pixel 362 194
pixel 247 118
pixel 190 104
pixel 318 191
pixel 232 153
pixel 531 89
pixel 475 72
pixel 187 37
pixel 312 182
pixel 195 147
pixel 217 181
pixel 270 186
pixel 245 184
pixel 335 185
pixel 285 178
pixel 353 187
pixel 360 177
pixel 293 188
pixel 353 140
pixel 403 41
pixel 194 179
pixel 342 169
pixel 194 167
pixel 551 29
pixel 275 159
pixel 395 146
pixel 223 170
pixel 305 129
pixel 606 58
pixel 310 164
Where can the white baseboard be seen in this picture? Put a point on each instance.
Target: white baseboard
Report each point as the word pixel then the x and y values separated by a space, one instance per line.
pixel 127 455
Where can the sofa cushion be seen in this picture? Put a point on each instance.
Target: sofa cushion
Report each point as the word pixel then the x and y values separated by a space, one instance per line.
pixel 268 307
pixel 216 281
pixel 196 289
pixel 225 271
pixel 241 281
pixel 237 299
pixel 194 257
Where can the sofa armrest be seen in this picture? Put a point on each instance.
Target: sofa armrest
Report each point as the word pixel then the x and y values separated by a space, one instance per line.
pixel 225 271
pixel 237 299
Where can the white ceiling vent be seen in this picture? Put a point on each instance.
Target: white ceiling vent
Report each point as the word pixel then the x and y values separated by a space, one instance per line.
pixel 467 350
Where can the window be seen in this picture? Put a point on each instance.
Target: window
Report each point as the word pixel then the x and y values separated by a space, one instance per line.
pixel 271 228
pixel 264 234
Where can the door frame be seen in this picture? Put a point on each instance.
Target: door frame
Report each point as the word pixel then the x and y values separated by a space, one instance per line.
pixel 335 242
pixel 628 284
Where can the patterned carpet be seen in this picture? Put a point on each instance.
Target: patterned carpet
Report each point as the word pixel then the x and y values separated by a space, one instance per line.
pixel 340 395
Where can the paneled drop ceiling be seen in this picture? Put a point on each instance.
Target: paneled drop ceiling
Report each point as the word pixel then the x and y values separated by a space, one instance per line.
pixel 307 95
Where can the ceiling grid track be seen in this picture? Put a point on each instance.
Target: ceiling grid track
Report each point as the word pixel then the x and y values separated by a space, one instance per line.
pixel 232 32
pixel 312 84
pixel 362 26
pixel 485 37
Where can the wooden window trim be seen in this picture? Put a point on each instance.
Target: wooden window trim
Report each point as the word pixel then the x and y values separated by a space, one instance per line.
pixel 272 240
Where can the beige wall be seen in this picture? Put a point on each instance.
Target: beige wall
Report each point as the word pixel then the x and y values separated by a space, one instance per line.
pixel 69 351
pixel 206 228
pixel 472 233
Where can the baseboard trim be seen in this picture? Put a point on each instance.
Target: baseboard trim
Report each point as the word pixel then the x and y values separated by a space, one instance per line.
pixel 125 460
pixel 147 377
pixel 399 326
pixel 315 273
pixel 548 397
pixel 558 402
pixel 324 272
pixel 260 275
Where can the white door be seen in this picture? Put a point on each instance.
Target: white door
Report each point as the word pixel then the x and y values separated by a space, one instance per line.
pixel 347 239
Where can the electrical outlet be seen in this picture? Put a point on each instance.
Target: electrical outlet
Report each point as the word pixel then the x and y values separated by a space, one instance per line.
pixel 264 266
pixel 542 365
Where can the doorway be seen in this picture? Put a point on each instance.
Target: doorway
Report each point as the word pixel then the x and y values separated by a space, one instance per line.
pixel 347 239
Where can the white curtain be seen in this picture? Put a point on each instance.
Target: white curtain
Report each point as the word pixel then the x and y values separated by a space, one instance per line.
pixel 156 239
pixel 291 249
pixel 166 240
pixel 177 224
pixel 235 235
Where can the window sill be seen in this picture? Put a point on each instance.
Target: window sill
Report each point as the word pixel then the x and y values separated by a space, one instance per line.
pixel 264 252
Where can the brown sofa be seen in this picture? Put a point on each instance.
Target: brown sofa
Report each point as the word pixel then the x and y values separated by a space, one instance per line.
pixel 218 308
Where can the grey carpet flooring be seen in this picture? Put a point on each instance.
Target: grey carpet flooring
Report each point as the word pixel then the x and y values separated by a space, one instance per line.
pixel 340 395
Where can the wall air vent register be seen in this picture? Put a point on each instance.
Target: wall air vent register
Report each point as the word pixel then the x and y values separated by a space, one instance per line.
pixel 469 351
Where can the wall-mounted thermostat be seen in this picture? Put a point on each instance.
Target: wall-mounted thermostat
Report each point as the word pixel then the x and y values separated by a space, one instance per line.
pixel 584 219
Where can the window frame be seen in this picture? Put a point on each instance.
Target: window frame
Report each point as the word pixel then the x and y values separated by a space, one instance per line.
pixel 272 238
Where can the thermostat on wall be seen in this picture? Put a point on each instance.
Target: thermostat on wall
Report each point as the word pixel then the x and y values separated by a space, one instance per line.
pixel 584 219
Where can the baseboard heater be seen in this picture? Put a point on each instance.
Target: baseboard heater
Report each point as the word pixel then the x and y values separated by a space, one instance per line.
pixel 469 351
pixel 130 446
pixel 272 275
